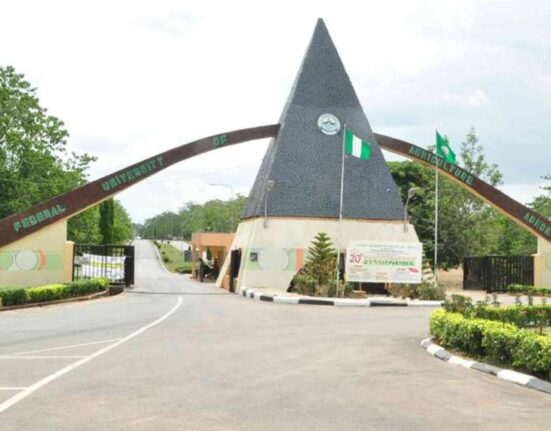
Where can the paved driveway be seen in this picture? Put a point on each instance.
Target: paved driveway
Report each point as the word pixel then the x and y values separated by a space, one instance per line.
pixel 174 354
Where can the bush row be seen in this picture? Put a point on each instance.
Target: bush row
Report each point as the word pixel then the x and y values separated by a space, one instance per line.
pixel 51 292
pixel 523 317
pixel 529 290
pixel 498 342
pixel 426 291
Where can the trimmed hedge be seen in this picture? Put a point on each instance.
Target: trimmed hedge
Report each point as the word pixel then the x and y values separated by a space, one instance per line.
pixel 12 296
pixel 499 342
pixel 524 317
pixel 529 290
pixel 52 292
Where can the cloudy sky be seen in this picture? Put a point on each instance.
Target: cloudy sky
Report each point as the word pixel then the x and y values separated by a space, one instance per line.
pixel 133 78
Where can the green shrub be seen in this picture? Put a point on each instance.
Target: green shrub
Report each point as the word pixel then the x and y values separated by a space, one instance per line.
pixel 498 342
pixel 12 296
pixel 46 293
pixel 529 290
pixel 458 304
pixel 87 287
pixel 52 292
pixel 304 283
pixel 522 316
pixel 426 291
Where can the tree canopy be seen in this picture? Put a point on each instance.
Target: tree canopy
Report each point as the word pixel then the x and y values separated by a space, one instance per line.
pixel 35 162
pixel 466 225
pixel 212 216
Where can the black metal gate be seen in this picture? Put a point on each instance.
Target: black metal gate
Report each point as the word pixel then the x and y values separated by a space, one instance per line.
pixel 496 273
pixel 92 261
pixel 235 263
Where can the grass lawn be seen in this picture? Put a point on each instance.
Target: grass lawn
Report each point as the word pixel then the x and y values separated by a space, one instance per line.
pixel 173 258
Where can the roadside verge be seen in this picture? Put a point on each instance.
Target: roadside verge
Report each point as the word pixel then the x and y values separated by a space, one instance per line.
pixel 501 373
pixel 338 302
pixel 62 301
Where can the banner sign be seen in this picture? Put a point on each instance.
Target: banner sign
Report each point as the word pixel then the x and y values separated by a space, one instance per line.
pixel 384 262
pixel 111 267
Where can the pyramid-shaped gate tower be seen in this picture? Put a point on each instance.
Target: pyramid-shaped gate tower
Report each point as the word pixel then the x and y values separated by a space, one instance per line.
pixel 296 193
pixel 305 164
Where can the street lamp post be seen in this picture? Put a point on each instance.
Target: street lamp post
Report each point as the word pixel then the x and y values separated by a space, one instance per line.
pixel 231 198
pixel 411 192
pixel 268 187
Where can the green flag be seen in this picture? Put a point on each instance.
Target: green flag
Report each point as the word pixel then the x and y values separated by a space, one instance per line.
pixel 444 150
pixel 355 146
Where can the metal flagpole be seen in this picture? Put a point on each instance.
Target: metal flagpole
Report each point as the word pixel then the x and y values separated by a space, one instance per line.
pixel 436 220
pixel 340 213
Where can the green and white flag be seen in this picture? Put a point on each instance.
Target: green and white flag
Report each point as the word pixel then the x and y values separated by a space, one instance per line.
pixel 355 146
pixel 444 150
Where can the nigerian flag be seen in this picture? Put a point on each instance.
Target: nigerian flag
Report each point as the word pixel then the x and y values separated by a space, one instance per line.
pixel 444 150
pixel 355 146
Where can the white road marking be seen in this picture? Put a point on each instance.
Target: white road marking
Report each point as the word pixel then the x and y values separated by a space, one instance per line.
pixel 70 346
pixel 41 383
pixel 43 357
pixel 12 388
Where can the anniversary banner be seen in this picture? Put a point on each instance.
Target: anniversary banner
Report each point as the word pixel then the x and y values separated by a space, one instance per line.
pixel 384 262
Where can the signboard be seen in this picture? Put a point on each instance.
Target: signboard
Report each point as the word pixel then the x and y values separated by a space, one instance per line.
pixel 111 267
pixel 384 262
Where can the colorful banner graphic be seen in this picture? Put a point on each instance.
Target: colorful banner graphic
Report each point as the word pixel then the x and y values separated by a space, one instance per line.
pixel 384 262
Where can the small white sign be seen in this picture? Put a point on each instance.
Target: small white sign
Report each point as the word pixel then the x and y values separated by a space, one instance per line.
pixel 384 262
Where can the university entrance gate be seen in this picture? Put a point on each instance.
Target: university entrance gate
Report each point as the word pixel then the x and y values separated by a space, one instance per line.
pixel 33 246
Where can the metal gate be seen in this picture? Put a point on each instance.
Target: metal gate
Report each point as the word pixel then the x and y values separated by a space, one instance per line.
pixel 115 262
pixel 496 273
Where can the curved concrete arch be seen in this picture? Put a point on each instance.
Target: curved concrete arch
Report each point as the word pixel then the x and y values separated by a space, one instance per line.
pixel 524 216
pixel 31 220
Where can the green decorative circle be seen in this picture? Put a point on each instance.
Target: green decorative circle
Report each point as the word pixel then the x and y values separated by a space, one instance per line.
pixel 6 260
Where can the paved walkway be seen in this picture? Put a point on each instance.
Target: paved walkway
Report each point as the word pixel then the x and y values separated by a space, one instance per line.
pixel 175 355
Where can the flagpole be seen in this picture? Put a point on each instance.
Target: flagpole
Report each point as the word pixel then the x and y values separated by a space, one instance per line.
pixel 340 214
pixel 436 219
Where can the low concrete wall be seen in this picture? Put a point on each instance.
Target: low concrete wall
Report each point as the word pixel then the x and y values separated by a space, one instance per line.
pixel 542 264
pixel 40 258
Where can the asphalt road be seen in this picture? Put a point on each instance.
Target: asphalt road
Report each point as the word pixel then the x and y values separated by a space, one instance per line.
pixel 172 354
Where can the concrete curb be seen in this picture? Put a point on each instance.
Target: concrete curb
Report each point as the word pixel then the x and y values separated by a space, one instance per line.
pixel 61 301
pixel 508 375
pixel 337 302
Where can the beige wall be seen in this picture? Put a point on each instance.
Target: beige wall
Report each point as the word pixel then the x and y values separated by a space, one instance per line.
pixel 542 264
pixel 217 242
pixel 41 258
pixel 281 246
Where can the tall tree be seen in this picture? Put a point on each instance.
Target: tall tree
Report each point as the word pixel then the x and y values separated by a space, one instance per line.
pixel 107 221
pixel 123 230
pixel 34 161
pixel 465 223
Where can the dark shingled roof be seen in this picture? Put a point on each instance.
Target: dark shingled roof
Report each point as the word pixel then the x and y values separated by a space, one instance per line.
pixel 306 164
